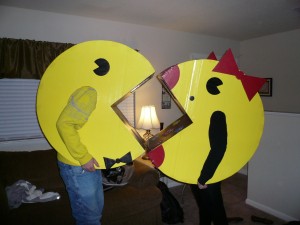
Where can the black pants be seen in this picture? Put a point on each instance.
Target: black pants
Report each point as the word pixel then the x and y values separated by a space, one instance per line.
pixel 210 203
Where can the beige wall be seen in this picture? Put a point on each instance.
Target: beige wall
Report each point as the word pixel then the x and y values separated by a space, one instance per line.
pixel 276 56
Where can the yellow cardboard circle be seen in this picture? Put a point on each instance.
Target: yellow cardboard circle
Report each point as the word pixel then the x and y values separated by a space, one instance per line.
pixel 186 152
pixel 104 135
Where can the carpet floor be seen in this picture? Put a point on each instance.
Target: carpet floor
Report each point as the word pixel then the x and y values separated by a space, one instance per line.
pixel 234 191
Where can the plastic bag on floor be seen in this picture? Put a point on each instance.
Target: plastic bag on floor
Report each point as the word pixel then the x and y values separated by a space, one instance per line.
pixel 24 192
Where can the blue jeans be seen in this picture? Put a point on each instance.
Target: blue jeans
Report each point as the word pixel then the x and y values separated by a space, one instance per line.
pixel 85 192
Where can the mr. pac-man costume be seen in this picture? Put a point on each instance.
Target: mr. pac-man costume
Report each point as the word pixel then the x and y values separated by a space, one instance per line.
pixel 112 70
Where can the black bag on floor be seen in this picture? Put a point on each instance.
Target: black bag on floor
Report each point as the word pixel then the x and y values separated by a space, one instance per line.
pixel 171 210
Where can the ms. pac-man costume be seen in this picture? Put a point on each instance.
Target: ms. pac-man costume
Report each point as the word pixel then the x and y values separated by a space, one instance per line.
pixel 110 70
pixel 227 120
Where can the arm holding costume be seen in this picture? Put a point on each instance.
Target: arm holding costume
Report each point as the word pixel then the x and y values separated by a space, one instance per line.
pixel 76 113
pixel 218 143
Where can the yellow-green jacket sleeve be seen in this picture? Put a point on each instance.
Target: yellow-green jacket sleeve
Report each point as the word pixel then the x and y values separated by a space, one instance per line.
pixel 73 117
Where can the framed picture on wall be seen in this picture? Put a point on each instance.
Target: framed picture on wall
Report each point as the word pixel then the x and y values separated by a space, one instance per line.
pixel 165 99
pixel 266 89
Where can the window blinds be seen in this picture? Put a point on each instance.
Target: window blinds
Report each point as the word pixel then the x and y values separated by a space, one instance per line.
pixel 18 120
pixel 127 107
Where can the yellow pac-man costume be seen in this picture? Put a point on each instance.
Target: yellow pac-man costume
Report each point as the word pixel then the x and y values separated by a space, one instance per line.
pixel 110 70
pixel 227 120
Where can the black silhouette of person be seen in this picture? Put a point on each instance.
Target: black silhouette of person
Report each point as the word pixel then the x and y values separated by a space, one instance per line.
pixel 209 196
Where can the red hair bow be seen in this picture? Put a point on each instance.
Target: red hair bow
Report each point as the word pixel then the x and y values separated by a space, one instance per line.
pixel 228 65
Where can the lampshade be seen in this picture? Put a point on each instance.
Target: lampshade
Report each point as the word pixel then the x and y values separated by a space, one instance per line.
pixel 148 119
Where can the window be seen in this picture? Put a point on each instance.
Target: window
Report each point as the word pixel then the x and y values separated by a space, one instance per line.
pixel 18 120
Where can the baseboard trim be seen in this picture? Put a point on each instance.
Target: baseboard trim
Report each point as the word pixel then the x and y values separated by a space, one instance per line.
pixel 270 211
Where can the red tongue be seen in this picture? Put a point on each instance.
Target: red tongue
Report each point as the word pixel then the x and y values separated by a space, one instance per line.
pixel 171 76
pixel 157 156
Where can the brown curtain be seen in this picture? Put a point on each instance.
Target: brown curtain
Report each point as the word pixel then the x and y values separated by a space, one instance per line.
pixel 27 59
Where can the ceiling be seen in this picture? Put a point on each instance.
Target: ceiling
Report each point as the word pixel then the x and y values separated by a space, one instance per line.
pixel 233 19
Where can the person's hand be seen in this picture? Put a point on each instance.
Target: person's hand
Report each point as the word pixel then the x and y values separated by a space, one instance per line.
pixel 90 165
pixel 201 186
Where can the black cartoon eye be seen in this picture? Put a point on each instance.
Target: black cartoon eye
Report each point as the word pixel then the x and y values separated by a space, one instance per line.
pixel 103 67
pixel 212 85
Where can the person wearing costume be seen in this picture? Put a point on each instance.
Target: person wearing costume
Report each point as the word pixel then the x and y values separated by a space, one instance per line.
pixel 209 196
pixel 83 183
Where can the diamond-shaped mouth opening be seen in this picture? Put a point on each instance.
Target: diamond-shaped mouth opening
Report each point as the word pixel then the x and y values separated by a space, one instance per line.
pixel 127 111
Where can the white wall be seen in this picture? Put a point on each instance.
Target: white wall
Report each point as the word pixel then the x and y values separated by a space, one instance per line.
pixel 276 56
pixel 162 47
pixel 274 171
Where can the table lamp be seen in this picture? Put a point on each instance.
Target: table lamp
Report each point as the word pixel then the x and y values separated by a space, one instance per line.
pixel 148 121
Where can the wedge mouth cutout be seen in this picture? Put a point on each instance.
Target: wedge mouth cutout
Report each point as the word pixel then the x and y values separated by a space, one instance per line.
pixel 164 134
